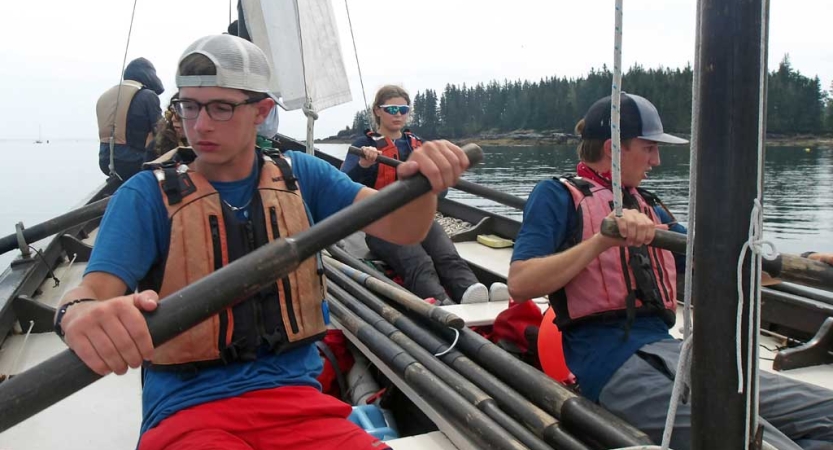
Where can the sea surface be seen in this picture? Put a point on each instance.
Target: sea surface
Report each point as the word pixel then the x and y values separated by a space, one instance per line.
pixel 40 181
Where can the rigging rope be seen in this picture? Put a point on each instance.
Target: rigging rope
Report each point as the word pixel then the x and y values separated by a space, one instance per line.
pixel 309 111
pixel 13 369
pixel 681 388
pixel 368 112
pixel 615 101
pixel 453 344
pixel 112 166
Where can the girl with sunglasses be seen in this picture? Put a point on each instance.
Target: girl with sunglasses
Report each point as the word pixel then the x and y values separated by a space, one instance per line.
pixel 432 269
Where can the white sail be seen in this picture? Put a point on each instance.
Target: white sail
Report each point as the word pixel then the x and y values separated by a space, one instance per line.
pixel 300 39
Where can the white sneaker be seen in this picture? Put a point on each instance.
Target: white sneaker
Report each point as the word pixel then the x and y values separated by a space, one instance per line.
pixel 499 292
pixel 476 293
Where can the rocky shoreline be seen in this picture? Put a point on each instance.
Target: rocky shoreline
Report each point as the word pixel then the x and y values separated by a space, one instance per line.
pixel 527 138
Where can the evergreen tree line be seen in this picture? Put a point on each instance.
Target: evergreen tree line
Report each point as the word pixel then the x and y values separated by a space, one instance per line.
pixel 795 104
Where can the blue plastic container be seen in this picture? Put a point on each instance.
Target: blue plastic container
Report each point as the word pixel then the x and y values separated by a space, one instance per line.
pixel 372 419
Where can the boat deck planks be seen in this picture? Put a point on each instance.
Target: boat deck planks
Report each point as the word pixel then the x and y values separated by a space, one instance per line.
pixel 494 260
pixel 479 314
pixel 107 414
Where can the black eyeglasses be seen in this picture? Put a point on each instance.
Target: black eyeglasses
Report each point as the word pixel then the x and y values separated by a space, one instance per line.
pixel 219 110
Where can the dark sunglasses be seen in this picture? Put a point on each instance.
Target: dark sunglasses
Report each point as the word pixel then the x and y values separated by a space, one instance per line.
pixel 219 110
pixel 393 109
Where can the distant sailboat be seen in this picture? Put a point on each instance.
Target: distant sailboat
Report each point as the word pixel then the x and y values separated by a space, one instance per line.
pixel 40 136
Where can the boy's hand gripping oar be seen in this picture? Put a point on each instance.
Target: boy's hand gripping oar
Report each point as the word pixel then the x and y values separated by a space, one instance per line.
pixel 58 377
pixel 787 267
pixel 463 185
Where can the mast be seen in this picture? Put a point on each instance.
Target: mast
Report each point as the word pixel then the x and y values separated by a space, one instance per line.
pixel 732 73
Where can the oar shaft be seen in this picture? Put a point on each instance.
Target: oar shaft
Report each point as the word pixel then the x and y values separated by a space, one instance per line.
pixel 552 397
pixel 24 395
pixel 787 267
pixel 463 185
pixel 45 229
pixel 400 296
pixel 465 374
pixel 475 423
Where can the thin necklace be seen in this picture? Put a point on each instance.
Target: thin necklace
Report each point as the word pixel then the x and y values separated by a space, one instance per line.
pixel 239 208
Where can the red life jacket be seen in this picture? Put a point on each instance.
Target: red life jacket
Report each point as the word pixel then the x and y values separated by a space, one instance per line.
pixel 387 174
pixel 621 281
pixel 205 236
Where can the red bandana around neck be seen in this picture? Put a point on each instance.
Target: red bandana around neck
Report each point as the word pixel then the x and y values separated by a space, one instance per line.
pixel 584 171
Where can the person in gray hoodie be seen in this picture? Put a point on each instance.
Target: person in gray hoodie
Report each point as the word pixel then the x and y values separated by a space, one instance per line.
pixel 127 116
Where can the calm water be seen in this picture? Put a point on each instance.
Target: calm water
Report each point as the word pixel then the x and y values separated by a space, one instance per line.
pixel 798 187
pixel 40 181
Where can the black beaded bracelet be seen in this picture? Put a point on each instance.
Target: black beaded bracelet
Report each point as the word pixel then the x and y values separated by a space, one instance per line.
pixel 63 310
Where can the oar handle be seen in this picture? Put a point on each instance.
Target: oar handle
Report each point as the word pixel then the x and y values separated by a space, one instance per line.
pixel 45 229
pixel 667 240
pixel 466 186
pixel 39 387
pixel 787 267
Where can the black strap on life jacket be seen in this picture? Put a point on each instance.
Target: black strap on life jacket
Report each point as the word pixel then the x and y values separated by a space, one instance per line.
pixel 283 166
pixel 639 261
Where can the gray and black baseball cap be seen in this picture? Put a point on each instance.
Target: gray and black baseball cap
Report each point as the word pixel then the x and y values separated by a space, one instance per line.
pixel 240 64
pixel 638 119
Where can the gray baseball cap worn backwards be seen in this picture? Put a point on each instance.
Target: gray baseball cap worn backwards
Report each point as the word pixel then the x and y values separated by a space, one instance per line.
pixel 638 119
pixel 240 64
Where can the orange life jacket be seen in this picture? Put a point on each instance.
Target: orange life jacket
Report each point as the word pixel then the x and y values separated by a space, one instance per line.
pixel 206 235
pixel 621 281
pixel 387 174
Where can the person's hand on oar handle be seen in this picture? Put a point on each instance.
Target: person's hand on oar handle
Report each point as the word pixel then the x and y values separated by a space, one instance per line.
pixel 823 257
pixel 636 229
pixel 440 161
pixel 368 158
pixel 112 335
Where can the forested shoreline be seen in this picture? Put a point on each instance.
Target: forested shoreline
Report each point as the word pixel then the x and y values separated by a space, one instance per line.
pixel 799 111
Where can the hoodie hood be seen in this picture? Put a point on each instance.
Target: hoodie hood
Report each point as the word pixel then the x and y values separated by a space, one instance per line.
pixel 141 70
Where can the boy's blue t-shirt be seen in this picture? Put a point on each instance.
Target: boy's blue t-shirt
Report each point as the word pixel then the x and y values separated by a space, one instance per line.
pixel 135 233
pixel 593 351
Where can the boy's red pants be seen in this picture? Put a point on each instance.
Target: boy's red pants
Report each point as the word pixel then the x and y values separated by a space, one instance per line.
pixel 291 417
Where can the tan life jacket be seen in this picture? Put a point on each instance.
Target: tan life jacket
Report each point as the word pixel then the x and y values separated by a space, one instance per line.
pixel 108 116
pixel 206 235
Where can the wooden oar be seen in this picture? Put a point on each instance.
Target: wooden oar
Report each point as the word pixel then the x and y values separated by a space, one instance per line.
pixel 58 377
pixel 463 185
pixel 399 295
pixel 45 229
pixel 787 267
pixel 373 310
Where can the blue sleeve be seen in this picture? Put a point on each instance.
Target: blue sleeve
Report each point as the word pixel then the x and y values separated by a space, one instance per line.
pixel 356 172
pixel 676 227
pixel 325 189
pixel 548 214
pixel 133 232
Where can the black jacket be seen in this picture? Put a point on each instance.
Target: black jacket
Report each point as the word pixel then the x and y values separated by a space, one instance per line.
pixel 145 109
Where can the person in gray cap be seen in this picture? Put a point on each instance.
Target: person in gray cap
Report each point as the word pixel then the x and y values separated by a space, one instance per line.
pixel 615 299
pixel 245 378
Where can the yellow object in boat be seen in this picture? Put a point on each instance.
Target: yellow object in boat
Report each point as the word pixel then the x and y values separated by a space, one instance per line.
pixel 490 240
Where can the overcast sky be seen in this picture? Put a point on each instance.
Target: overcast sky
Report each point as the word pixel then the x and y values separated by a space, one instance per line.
pixel 58 56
